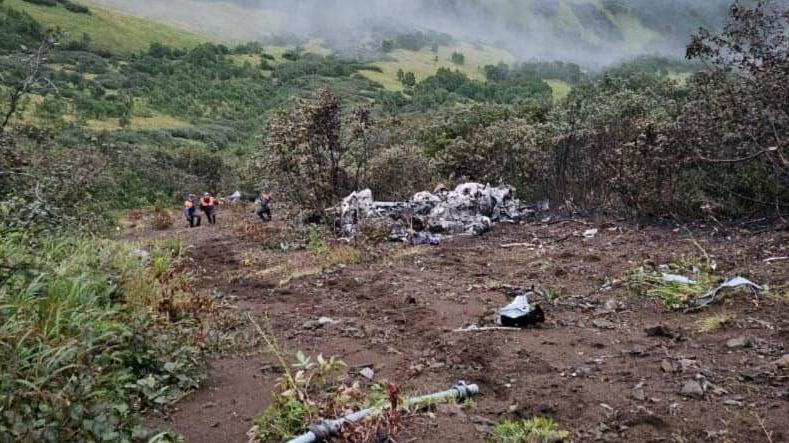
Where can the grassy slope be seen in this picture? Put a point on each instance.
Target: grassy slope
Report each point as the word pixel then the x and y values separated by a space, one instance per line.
pixel 422 63
pixel 109 30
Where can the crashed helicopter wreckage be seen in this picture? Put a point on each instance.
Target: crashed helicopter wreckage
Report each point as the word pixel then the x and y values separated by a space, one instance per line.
pixel 471 209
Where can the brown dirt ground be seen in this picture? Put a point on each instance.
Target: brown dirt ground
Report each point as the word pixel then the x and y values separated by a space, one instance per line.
pixel 398 312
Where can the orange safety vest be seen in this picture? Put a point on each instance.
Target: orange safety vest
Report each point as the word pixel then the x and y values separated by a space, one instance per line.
pixel 206 203
pixel 189 204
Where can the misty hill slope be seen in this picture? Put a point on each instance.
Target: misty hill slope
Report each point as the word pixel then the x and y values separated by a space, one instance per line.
pixel 587 31
pixel 109 29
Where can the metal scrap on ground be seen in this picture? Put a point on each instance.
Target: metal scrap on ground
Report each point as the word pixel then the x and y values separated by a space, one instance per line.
pixel 520 313
pixel 471 208
pixel 716 293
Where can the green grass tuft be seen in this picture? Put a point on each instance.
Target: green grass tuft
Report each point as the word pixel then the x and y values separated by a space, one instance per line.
pixel 533 430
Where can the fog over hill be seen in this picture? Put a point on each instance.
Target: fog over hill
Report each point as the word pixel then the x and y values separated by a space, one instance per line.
pixel 591 32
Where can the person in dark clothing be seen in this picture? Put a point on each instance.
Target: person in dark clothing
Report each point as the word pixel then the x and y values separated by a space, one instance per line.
pixel 190 211
pixel 264 206
pixel 208 206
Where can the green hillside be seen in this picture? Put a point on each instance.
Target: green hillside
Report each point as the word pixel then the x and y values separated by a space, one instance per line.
pixel 108 29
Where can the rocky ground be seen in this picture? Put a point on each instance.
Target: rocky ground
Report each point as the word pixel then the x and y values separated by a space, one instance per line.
pixel 606 365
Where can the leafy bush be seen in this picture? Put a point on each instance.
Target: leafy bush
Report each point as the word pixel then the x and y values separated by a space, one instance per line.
pixel 306 146
pixel 74 7
pixel 397 172
pixel 505 152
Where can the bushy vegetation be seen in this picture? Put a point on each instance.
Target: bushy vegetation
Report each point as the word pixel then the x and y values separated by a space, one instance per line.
pixel 87 340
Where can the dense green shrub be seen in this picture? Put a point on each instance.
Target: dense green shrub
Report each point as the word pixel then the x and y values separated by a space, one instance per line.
pixel 505 152
pixel 82 353
pixel 398 172
pixel 17 29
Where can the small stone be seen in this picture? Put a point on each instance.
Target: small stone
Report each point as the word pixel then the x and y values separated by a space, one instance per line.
pixel 782 362
pixel 367 373
pixel 638 350
pixel 603 324
pixel 687 363
pixel 667 366
pixel 638 392
pixel 739 342
pixel 545 409
pixel 731 402
pixel 311 324
pixel 659 331
pixel 692 388
pixel 449 409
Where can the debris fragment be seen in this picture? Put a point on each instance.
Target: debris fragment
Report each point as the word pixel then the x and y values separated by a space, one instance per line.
pixel 782 362
pixel 520 313
pixel 476 328
pixel 638 392
pixel 772 259
pixel 326 429
pixel 367 373
pixel 613 305
pixel 739 342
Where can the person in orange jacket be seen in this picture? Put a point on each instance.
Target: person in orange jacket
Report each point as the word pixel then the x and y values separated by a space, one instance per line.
pixel 190 211
pixel 208 205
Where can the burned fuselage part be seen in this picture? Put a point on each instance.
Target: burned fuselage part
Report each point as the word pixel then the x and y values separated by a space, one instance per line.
pixel 471 208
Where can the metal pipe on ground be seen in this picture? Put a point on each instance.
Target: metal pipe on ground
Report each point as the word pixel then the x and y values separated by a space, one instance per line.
pixel 325 429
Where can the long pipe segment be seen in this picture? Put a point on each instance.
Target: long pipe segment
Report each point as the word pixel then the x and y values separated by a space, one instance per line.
pixel 326 429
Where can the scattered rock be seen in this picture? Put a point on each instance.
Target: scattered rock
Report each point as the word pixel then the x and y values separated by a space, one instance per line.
pixel 692 388
pixel 367 373
pixel 667 366
pixel 449 409
pixel 312 324
pixel 638 392
pixel 782 362
pixel 687 363
pixel 638 350
pixel 590 233
pixel 142 254
pixel 731 402
pixel 739 342
pixel 659 331
pixel 613 305
pixel 545 409
pixel 603 324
